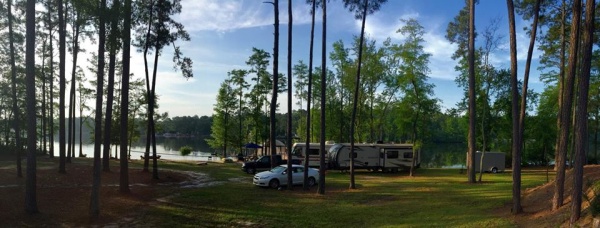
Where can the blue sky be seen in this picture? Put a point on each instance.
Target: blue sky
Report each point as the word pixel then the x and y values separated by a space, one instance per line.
pixel 224 32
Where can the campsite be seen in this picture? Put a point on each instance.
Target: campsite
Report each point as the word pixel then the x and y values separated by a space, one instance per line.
pixel 219 195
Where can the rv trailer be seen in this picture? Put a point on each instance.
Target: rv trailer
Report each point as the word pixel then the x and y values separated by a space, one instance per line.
pixel 385 157
pixel 493 162
pixel 299 151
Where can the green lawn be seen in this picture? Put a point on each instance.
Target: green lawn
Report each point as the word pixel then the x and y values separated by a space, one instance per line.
pixel 434 198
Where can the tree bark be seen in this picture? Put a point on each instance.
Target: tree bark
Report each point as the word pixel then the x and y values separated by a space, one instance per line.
pixel 289 97
pixel 561 80
pixel 309 92
pixel 566 108
pixel 110 93
pixel 97 171
pixel 322 168
pixel 15 106
pixel 581 130
pixel 272 139
pixel 356 94
pixel 516 143
pixel 62 84
pixel 472 115
pixel 30 183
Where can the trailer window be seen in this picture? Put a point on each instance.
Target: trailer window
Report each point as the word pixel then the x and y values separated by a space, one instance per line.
pixel 313 152
pixel 408 155
pixel 392 154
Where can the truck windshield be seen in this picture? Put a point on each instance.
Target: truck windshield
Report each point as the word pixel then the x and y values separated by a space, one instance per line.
pixel 297 151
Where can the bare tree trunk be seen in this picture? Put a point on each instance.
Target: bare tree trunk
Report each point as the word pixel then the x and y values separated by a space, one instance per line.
pixel 62 84
pixel 566 106
pixel 561 80
pixel 44 131
pixel 110 93
pixel 273 104
pixel 13 72
pixel 472 115
pixel 124 169
pixel 581 131
pixel 289 97
pixel 95 196
pixel 321 189
pixel 152 121
pixel 516 143
pixel 356 94
pixel 71 134
pixel 148 91
pixel 30 183
pixel 51 78
pixel 309 93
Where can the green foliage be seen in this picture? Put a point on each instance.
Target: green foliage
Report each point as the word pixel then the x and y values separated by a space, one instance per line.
pixel 185 150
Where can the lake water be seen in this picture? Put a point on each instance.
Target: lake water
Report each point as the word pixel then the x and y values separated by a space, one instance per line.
pixel 439 155
pixel 167 148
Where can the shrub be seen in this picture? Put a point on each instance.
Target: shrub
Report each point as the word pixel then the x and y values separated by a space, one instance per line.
pixel 185 150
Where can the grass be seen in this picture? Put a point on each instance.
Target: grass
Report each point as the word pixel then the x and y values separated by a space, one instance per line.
pixel 435 197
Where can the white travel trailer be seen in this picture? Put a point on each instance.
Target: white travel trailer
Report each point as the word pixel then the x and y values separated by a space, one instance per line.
pixel 385 157
pixel 299 151
pixel 492 162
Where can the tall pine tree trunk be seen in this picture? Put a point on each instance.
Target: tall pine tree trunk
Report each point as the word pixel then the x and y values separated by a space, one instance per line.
pixel 322 168
pixel 62 84
pixel 566 108
pixel 30 183
pixel 516 143
pixel 356 94
pixel 273 103
pixel 309 92
pixel 13 72
pixel 110 93
pixel 289 97
pixel 97 171
pixel 472 114
pixel 581 129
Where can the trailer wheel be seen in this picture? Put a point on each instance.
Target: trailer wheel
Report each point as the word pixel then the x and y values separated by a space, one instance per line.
pixel 375 169
pixel 274 183
pixel 494 170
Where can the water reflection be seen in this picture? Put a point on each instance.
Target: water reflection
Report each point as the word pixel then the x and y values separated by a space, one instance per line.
pixel 446 155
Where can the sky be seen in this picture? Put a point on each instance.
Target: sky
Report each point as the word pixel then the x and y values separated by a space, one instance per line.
pixel 224 32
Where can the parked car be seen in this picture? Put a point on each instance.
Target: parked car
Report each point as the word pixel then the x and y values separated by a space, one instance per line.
pixel 278 176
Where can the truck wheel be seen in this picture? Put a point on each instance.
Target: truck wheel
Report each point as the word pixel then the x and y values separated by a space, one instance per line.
pixel 311 181
pixel 494 170
pixel 251 170
pixel 274 183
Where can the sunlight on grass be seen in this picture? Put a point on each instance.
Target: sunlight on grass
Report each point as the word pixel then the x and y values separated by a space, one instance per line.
pixel 434 197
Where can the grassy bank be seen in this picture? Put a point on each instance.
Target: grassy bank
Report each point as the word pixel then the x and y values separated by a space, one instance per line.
pixel 435 197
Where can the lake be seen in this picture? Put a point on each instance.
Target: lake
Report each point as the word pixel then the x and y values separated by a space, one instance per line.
pixel 167 148
pixel 438 155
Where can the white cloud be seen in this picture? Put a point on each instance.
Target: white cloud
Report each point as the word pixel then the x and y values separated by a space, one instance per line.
pixel 379 27
pixel 441 63
pixel 226 15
